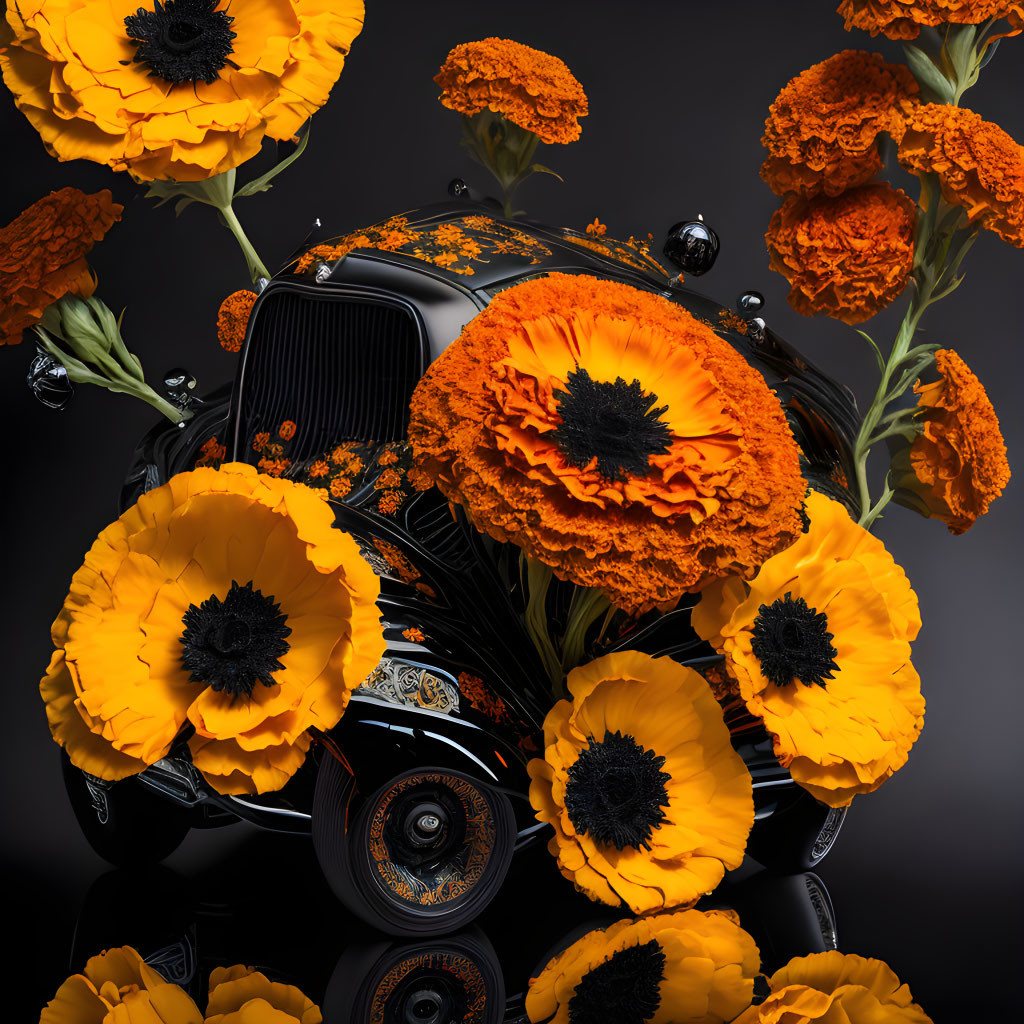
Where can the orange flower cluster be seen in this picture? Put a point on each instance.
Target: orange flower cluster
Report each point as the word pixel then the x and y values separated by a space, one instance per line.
pixel 822 130
pixel 481 697
pixel 903 19
pixel 212 453
pixel 233 319
pixel 42 255
pixel 846 256
pixel 978 165
pixel 77 73
pixel 957 466
pixel 531 88
pixel 699 480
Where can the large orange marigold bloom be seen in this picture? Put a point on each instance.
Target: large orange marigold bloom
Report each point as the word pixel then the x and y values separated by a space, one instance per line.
pixel 903 19
pixel 834 986
pixel 847 256
pixel 118 985
pixel 612 436
pixel 42 255
pixel 819 644
pixel 957 467
pixel 531 88
pixel 243 995
pixel 98 80
pixel 687 967
pixel 649 802
pixel 822 130
pixel 225 599
pixel 978 165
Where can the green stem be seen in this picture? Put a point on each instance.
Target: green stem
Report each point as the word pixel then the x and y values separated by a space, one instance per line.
pixel 538 579
pixel 587 606
pixel 256 266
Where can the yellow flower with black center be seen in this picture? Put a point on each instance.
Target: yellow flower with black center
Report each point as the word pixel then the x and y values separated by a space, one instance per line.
pixel 819 645
pixel 180 89
pixel 225 600
pixel 687 967
pixel 649 802
pixel 832 987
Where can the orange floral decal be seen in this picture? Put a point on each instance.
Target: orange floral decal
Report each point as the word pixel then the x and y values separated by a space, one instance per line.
pixel 596 228
pixel 978 165
pixel 700 478
pixel 212 454
pixel 93 89
pixel 287 430
pixel 531 88
pixel 848 256
pixel 903 19
pixel 414 635
pixel 233 319
pixel 822 130
pixel 957 467
pixel 42 255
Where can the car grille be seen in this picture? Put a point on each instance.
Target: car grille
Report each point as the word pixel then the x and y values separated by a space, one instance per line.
pixel 339 367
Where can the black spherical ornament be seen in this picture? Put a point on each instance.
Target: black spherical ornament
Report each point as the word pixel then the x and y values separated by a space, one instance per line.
pixel 49 381
pixel 692 246
pixel 750 304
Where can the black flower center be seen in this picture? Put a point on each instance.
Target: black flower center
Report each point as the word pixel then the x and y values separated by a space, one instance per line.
pixel 616 791
pixel 792 641
pixel 233 644
pixel 181 40
pixel 617 424
pixel 626 988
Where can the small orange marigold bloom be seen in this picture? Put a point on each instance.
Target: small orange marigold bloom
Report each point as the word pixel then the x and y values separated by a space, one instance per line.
pixel 390 502
pixel 273 467
pixel 419 479
pixel 387 458
pixel 531 88
pixel 42 255
pixel 414 635
pixel 259 442
pixel 319 468
pixel 822 130
pixel 902 19
pixel 340 486
pixel 979 166
pixel 957 467
pixel 389 478
pixel 233 319
pixel 846 256
pixel 287 430
pixel 595 227
pixel 212 453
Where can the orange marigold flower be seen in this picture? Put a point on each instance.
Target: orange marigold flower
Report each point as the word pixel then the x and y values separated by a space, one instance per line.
pixel 418 479
pixel 390 502
pixel 274 467
pixel 105 87
pixel 595 227
pixel 978 165
pixel 259 442
pixel 531 88
pixel 212 453
pixel 287 430
pixel 42 255
pixel 414 635
pixel 387 458
pixel 902 19
pixel 404 569
pixel 233 319
pixel 481 697
pixel 319 468
pixel 340 486
pixel 957 467
pixel 697 476
pixel 823 128
pixel 834 986
pixel 389 478
pixel 846 256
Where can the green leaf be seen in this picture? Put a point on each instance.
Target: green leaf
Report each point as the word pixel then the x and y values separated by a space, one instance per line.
pixel 960 47
pixel 877 350
pixel 541 169
pixel 262 183
pixel 937 88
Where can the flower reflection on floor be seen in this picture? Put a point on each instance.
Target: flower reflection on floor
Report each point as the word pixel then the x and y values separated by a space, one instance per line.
pixel 255 946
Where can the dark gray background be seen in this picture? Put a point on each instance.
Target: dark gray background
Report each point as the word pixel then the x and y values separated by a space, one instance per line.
pixel 925 875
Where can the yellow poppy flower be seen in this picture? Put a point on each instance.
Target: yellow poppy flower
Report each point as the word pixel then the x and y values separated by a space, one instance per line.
pixel 649 802
pixel 833 986
pixel 119 986
pixel 688 967
pixel 185 89
pixel 225 599
pixel 819 644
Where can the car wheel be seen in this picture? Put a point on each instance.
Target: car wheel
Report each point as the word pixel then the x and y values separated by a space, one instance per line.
pixel 424 854
pixel 123 822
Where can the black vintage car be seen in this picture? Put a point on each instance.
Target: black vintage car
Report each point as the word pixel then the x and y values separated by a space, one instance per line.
pixel 417 800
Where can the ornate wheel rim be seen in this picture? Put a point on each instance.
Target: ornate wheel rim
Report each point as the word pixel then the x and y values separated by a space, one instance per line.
pixel 432 987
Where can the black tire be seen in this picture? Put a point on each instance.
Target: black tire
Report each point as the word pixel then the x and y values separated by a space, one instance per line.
pixel 123 822
pixel 796 837
pixel 453 980
pixel 423 855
